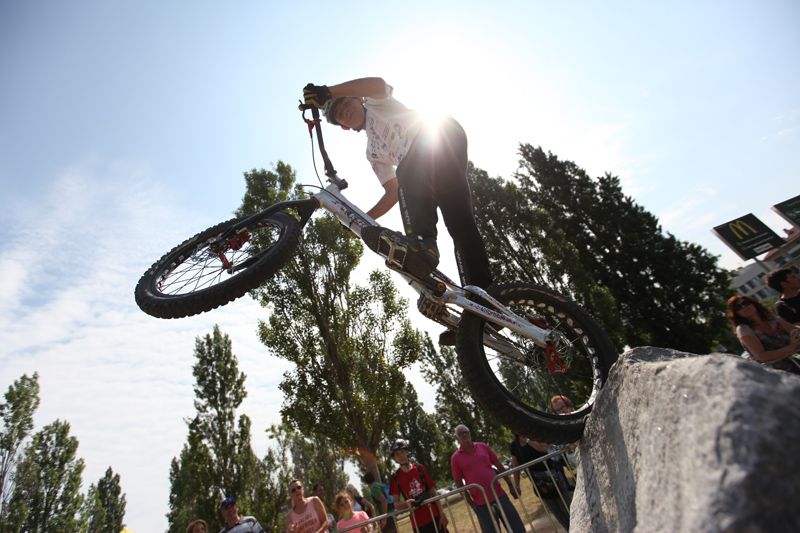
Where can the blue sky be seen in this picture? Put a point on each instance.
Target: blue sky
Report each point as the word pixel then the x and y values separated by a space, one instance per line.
pixel 125 128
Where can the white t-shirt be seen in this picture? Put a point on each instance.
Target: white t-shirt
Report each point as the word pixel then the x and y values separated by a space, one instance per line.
pixel 391 129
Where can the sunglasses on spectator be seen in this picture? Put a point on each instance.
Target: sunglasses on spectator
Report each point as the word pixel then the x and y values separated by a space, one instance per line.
pixel 741 303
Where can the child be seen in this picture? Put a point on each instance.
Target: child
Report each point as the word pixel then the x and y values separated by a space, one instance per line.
pixel 347 518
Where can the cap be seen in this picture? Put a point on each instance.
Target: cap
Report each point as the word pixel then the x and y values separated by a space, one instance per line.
pixel 227 501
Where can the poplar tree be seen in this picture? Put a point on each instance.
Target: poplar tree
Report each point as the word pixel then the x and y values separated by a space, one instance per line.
pixel 47 494
pixel 348 342
pixel 16 412
pixel 105 505
pixel 217 459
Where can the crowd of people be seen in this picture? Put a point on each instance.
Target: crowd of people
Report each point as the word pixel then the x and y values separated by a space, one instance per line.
pixel 770 338
pixel 411 486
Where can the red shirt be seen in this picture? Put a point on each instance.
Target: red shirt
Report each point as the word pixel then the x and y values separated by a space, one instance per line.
pixel 476 467
pixel 415 484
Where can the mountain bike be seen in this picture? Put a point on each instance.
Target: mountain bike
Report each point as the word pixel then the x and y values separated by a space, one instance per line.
pixel 517 344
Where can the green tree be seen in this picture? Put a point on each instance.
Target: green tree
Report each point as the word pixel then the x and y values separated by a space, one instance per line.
pixel 21 401
pixel 47 494
pixel 218 459
pixel 105 505
pixel 454 404
pixel 317 460
pixel 275 473
pixel 193 491
pixel 668 292
pixel 348 343
pixel 425 435
pixel 525 243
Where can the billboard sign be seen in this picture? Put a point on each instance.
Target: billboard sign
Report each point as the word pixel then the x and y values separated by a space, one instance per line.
pixel 790 210
pixel 748 236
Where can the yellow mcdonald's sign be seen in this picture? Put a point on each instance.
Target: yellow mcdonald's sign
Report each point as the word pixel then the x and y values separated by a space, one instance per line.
pixel 741 229
pixel 748 236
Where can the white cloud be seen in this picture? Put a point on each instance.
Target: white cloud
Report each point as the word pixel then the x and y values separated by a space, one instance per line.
pixel 121 378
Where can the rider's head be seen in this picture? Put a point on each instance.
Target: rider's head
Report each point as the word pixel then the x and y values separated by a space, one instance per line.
pixel 347 112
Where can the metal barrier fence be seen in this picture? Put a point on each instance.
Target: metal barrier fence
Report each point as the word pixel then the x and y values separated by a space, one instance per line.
pixel 459 494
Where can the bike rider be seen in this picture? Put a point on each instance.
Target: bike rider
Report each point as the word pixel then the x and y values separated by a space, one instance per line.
pixel 421 167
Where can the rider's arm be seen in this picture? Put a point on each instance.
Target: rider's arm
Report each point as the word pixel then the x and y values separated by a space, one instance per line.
pixel 368 87
pixel 386 201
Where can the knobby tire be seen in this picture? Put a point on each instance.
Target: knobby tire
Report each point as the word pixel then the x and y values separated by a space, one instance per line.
pixel 517 391
pixel 191 279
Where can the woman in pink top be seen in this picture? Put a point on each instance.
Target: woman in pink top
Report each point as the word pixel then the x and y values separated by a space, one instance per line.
pixel 308 515
pixel 347 518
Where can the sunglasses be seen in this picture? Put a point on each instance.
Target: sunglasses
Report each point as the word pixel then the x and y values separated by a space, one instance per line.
pixel 295 488
pixel 741 303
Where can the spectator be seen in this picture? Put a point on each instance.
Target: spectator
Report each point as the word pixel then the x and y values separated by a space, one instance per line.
pixel 413 482
pixel 787 284
pixel 307 515
pixel 382 501
pixel 347 516
pixel 197 526
pixel 766 338
pixel 235 523
pixel 359 502
pixel 319 491
pixel 561 405
pixel 471 463
pixel 544 475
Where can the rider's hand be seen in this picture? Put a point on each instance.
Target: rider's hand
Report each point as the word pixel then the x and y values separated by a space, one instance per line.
pixel 316 95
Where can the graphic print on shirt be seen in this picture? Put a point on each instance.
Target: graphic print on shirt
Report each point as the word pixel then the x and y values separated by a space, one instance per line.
pixel 415 488
pixel 388 141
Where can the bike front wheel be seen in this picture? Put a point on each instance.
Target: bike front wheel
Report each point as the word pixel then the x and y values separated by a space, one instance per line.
pixel 218 265
pixel 515 379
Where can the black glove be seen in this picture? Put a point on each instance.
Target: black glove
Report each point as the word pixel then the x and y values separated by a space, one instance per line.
pixel 316 95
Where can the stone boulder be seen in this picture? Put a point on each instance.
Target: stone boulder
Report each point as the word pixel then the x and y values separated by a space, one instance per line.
pixel 684 442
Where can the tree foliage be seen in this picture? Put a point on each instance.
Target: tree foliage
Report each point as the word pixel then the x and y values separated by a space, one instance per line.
pixel 217 459
pixel 316 459
pixel 21 401
pixel 349 343
pixel 427 439
pixel 586 238
pixel 105 505
pixel 46 494
pixel 454 406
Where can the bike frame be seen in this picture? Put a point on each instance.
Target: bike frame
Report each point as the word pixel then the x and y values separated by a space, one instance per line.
pixel 437 290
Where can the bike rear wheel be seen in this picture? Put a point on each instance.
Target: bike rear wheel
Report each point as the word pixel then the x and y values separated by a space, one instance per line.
pixel 515 383
pixel 218 265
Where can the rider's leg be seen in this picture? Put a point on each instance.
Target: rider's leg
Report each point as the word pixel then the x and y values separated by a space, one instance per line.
pixel 452 194
pixel 418 205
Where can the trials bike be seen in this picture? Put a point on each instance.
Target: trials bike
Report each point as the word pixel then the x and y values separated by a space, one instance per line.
pixel 518 344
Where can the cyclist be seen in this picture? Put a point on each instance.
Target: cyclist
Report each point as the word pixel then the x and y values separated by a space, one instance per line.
pixel 421 167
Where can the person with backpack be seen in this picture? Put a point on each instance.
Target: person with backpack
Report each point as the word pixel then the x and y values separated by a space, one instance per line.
pixel 412 481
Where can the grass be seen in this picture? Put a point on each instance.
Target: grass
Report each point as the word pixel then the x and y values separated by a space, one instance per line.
pixel 463 519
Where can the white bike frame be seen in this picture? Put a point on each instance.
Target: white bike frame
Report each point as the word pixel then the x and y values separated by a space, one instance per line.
pixel 332 200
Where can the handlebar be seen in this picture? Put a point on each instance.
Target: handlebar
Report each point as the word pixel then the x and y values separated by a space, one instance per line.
pixel 314 124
